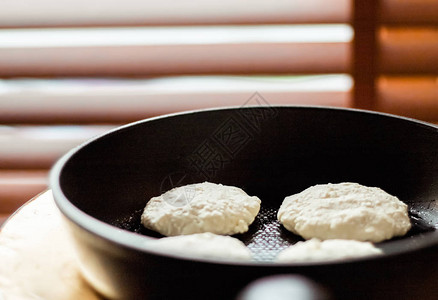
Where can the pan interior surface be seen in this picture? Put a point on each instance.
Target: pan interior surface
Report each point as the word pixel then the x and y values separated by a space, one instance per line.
pixel 270 152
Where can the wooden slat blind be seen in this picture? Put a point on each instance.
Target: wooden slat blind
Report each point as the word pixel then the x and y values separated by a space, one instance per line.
pixel 409 50
pixel 169 51
pixel 70 71
pixel 413 96
pixel 402 12
pixel 407 77
pixel 17 186
pixel 364 64
pixel 61 13
pixel 105 101
pixel 37 147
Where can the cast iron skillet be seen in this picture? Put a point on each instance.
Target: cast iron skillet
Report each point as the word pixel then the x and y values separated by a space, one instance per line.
pixel 272 152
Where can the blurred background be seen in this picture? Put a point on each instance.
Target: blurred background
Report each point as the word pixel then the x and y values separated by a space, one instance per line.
pixel 73 70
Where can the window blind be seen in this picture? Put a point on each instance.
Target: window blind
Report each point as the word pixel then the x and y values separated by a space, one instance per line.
pixel 70 71
pixel 62 13
pixel 407 81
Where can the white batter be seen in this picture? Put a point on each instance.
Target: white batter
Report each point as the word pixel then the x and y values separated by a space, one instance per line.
pixel 206 245
pixel 317 250
pixel 344 211
pixel 201 207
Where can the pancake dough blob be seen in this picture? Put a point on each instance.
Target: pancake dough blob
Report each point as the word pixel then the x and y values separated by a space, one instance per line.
pixel 207 245
pixel 317 250
pixel 344 211
pixel 201 207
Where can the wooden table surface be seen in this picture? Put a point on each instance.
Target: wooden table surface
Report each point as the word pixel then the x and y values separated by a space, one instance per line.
pixel 37 258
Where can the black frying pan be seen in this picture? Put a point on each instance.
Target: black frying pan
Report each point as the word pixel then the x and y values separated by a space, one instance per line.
pixel 271 152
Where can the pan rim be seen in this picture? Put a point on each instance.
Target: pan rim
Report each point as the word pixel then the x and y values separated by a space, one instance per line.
pixel 138 242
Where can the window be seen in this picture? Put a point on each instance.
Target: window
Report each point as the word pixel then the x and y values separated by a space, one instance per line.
pixel 72 71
